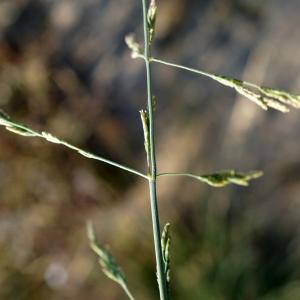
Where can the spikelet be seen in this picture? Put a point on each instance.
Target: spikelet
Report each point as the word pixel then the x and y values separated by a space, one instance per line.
pixel 225 177
pixel 264 97
pixel 108 263
pixel 165 245
pixel 133 45
pixel 151 19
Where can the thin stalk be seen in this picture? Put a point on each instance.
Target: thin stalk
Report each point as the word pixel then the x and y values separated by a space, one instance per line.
pixel 179 174
pixel 107 161
pixel 161 277
pixel 193 70
pixel 182 67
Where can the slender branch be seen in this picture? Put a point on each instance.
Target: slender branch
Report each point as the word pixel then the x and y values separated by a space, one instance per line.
pixel 203 73
pixel 178 174
pixel 193 70
pixel 197 71
pixel 200 72
pixel 26 131
pixel 161 277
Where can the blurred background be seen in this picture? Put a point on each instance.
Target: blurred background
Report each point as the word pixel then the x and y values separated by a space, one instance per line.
pixel 64 68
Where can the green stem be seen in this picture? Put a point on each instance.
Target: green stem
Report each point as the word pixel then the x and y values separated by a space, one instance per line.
pixel 161 277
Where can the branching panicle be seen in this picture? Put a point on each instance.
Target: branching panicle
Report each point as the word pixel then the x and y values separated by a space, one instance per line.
pixel 23 130
pixel 262 96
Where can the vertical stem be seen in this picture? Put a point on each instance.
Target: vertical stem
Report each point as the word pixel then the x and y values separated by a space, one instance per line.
pixel 161 277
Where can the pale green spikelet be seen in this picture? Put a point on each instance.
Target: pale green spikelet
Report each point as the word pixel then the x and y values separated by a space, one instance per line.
pixel 262 96
pixel 225 177
pixel 282 96
pixel 151 19
pixel 16 128
pixel 109 266
pixel 145 122
pixel 165 245
pixel 154 103
pixel 107 262
pixel 134 46
pixel 20 131
pixel 51 138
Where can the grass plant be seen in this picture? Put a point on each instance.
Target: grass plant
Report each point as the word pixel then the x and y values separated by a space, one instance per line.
pixel 266 98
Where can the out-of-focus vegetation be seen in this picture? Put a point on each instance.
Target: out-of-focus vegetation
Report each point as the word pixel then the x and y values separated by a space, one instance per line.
pixel 64 68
